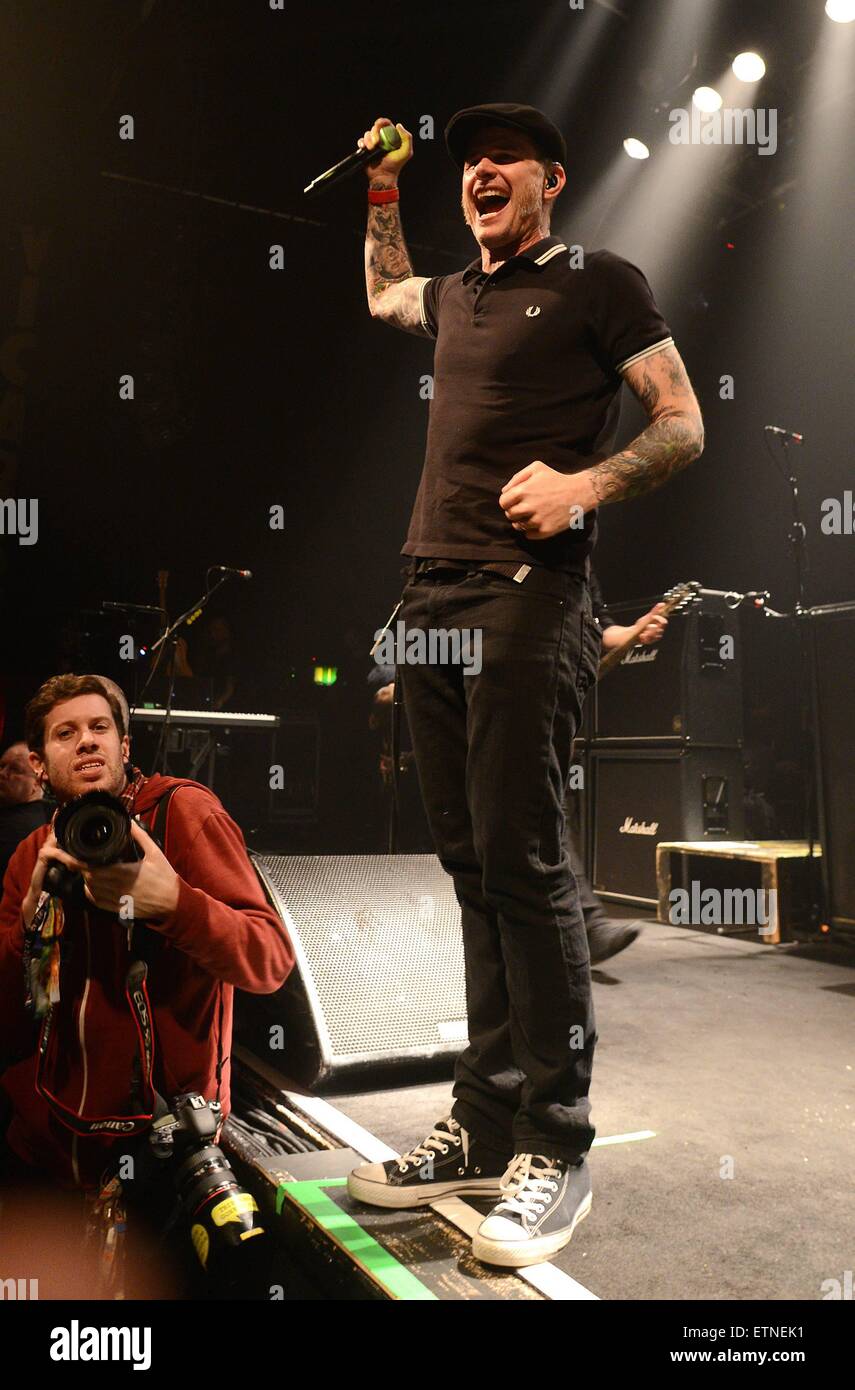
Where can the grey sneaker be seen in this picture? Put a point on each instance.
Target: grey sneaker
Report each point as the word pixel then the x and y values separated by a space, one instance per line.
pixel 450 1162
pixel 543 1201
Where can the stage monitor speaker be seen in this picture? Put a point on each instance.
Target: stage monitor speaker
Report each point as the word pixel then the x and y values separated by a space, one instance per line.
pixel 834 634
pixel 642 796
pixel 379 979
pixel 687 686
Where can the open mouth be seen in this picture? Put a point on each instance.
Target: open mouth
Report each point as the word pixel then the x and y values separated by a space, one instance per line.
pixel 489 202
pixel 93 767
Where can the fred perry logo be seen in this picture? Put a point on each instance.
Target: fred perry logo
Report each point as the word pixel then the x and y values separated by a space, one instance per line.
pixel 532 311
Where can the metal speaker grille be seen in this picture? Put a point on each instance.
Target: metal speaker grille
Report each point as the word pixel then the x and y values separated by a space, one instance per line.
pixel 382 940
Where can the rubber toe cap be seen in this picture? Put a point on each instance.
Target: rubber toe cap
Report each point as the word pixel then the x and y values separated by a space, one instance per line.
pixel 502 1229
pixel 371 1172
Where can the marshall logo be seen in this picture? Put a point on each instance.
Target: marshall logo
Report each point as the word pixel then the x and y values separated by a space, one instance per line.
pixel 636 655
pixel 638 827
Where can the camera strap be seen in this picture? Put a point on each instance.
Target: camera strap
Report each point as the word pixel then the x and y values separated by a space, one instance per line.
pixel 158 827
pixel 42 956
pixel 140 1007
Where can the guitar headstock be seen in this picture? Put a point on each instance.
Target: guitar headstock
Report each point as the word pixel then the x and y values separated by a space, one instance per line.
pixel 681 596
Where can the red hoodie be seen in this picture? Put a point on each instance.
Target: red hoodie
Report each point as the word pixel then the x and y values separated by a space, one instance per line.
pixel 222 934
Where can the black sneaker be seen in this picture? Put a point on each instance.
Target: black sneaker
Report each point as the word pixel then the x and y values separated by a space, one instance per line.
pixel 607 937
pixel 450 1162
pixel 544 1199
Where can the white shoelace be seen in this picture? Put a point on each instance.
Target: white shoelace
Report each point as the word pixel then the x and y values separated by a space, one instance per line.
pixel 437 1142
pixel 528 1182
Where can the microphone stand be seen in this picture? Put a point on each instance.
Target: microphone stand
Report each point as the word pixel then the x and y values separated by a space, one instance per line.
pixel 168 640
pixel 109 606
pixel 798 534
pixel 809 684
pixel 394 741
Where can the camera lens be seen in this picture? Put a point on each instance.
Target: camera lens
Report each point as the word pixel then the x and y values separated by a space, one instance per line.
pixel 95 828
pixel 96 833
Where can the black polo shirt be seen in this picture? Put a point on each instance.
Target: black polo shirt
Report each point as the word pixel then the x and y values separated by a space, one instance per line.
pixel 527 366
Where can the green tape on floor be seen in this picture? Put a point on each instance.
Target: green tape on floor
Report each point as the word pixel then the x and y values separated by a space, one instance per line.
pixel 363 1248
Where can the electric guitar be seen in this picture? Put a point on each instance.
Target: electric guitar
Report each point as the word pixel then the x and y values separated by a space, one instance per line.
pixel 679 597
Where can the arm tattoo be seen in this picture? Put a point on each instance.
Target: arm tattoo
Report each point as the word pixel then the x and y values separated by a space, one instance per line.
pixel 665 447
pixel 387 260
pixel 648 393
pixel 673 438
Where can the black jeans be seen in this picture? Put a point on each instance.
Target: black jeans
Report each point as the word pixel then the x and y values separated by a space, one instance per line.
pixel 493 752
pixel 593 910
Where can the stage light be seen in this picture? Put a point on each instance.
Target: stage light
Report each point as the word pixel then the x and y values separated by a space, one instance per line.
pixel 706 99
pixel 841 11
pixel 636 149
pixel 325 675
pixel 748 67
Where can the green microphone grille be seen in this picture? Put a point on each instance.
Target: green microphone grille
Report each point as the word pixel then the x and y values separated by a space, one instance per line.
pixel 389 138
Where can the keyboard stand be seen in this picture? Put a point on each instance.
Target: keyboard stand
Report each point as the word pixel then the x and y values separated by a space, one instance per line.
pixel 207 749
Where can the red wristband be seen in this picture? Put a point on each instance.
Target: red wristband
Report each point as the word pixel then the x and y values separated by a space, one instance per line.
pixel 383 195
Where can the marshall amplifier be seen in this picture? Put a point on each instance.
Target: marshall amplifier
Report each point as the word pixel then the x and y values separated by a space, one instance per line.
pixel 642 796
pixel 688 686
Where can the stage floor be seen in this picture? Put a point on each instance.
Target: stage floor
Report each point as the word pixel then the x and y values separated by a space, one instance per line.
pixel 729 1057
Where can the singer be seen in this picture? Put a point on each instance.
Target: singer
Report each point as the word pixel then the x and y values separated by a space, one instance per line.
pixel 533 343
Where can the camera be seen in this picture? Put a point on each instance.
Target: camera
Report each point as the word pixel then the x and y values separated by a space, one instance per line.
pixel 95 828
pixel 225 1229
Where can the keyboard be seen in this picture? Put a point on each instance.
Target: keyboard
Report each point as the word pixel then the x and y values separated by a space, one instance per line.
pixel 207 718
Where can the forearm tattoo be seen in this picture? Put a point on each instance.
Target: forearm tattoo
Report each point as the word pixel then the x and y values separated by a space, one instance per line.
pixel 673 438
pixel 387 260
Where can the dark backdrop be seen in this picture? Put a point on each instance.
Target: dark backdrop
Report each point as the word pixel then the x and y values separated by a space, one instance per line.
pixel 257 388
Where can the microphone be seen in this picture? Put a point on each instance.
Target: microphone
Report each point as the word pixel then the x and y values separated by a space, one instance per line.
pixel 107 607
pixel 785 434
pixel 390 139
pixel 238 574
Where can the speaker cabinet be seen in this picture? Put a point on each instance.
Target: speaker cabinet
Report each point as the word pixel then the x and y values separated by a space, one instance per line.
pixel 642 796
pixel 379 979
pixel 687 686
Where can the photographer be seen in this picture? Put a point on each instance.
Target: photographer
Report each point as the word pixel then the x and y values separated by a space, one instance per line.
pixel 194 911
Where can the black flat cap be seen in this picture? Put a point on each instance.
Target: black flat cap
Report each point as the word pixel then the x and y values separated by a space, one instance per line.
pixel 542 132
